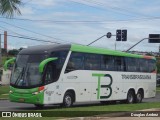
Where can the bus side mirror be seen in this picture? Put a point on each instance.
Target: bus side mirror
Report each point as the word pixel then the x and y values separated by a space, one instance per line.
pixel 7 62
pixel 44 62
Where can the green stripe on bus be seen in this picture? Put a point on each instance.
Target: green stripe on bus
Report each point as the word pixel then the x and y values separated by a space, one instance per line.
pixel 88 49
pixel 99 78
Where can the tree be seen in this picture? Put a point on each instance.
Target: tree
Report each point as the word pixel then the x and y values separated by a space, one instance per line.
pixel 13 52
pixel 10 7
pixel 4 51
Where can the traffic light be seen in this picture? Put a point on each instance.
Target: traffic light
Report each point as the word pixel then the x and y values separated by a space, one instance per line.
pixel 124 35
pixel 154 38
pixel 118 35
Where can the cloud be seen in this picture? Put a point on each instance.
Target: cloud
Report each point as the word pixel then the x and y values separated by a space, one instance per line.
pixel 43 3
pixel 85 33
pixel 27 11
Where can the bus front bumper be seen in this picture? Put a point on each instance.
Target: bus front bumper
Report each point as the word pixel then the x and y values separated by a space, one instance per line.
pixel 22 98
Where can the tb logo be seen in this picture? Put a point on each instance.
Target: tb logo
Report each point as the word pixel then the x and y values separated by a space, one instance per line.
pixel 108 86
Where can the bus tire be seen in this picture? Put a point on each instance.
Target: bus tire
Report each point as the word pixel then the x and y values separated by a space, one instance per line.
pixel 68 100
pixel 39 105
pixel 130 97
pixel 139 97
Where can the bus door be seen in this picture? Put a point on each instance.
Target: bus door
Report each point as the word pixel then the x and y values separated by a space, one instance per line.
pixel 51 75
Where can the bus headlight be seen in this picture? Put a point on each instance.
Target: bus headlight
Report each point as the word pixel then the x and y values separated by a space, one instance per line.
pixel 35 93
pixel 40 89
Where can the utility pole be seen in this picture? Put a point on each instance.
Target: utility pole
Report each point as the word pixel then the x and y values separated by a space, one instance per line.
pixel 0 52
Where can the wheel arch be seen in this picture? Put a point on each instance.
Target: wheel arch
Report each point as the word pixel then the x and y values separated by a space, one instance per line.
pixel 72 91
pixel 141 90
pixel 132 89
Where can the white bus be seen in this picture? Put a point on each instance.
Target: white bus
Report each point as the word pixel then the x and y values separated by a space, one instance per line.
pixel 64 74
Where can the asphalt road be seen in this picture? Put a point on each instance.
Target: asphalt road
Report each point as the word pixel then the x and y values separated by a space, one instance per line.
pixel 6 105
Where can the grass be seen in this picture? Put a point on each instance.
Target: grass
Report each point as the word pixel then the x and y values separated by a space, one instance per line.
pixel 4 90
pixel 158 89
pixel 113 108
pixel 84 111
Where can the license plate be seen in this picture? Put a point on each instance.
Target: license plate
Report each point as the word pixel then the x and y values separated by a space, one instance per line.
pixel 21 100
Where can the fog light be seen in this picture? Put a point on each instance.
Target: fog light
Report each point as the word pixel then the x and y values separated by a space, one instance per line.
pixel 35 93
pixel 10 91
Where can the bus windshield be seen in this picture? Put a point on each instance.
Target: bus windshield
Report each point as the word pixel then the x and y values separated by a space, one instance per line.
pixel 25 72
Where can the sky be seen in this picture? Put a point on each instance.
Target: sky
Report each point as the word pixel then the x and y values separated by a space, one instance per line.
pixel 83 21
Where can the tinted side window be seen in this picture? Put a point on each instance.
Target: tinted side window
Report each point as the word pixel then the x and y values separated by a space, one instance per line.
pixel 132 64
pixel 119 64
pixel 75 62
pixel 143 65
pixel 54 68
pixel 151 65
pixel 92 62
pixel 107 63
pixel 61 55
pixel 51 73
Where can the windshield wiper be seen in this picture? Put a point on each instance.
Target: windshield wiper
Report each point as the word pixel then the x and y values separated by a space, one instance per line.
pixel 20 75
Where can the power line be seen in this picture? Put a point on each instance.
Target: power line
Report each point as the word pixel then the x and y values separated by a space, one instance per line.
pixel 26 36
pixel 34 39
pixel 86 21
pixel 33 31
pixel 118 9
pixel 17 33
pixel 98 7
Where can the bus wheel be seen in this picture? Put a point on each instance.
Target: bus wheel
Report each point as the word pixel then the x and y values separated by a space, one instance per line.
pixel 130 97
pixel 139 97
pixel 39 105
pixel 68 99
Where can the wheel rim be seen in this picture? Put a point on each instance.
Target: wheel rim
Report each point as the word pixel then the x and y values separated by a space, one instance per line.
pixel 139 97
pixel 68 100
pixel 130 98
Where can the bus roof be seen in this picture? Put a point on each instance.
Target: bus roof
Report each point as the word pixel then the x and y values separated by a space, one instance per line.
pixel 44 49
pixel 88 49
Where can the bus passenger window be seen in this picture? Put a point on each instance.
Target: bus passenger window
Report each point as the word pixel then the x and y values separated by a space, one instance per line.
pixel 75 62
pixel 107 63
pixel 92 62
pixel 132 64
pixel 119 64
pixel 152 65
pixel 143 64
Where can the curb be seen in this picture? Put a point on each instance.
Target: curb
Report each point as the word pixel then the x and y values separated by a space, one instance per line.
pixel 3 99
pixel 113 115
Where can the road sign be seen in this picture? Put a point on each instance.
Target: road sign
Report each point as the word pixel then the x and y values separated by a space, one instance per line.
pixel 109 34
